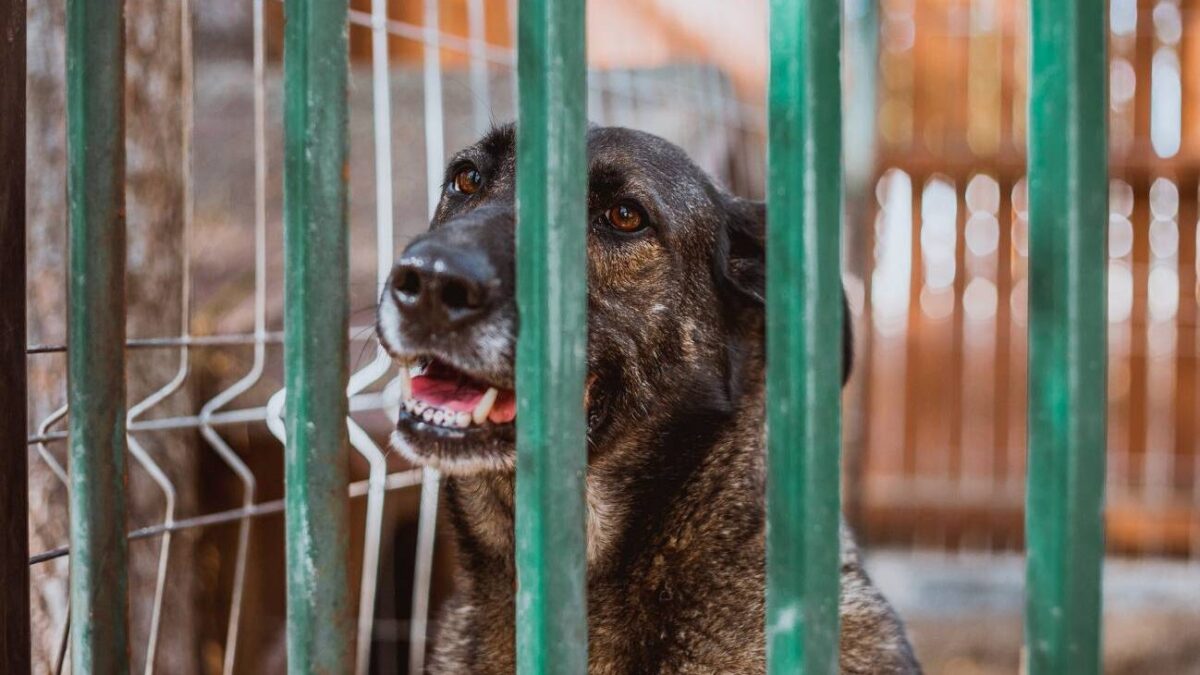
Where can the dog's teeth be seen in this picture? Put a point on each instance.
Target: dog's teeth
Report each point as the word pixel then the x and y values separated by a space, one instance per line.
pixel 409 405
pixel 484 406
pixel 462 420
pixel 428 414
pixel 439 418
pixel 420 407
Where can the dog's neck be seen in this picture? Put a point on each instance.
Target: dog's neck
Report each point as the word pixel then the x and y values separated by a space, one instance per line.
pixel 634 487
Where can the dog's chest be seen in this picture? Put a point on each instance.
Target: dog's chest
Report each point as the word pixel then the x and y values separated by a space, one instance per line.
pixel 633 627
pixel 672 633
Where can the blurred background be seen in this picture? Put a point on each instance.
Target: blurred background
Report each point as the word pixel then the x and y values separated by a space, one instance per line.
pixel 935 266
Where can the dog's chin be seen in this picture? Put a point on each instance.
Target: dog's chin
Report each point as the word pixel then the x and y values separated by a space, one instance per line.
pixel 460 452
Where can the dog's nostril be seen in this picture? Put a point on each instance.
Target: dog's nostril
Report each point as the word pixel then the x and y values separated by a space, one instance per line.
pixel 440 286
pixel 459 295
pixel 409 284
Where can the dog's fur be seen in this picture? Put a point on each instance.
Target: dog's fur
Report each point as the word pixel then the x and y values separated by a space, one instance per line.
pixel 675 481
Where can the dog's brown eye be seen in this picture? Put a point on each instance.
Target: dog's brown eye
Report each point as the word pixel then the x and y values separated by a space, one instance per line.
pixel 467 181
pixel 625 218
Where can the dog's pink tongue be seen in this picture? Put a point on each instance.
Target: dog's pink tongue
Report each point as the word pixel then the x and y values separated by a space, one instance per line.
pixel 462 396
pixel 504 410
pixel 447 394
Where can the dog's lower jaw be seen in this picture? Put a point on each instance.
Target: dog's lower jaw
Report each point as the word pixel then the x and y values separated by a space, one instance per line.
pixel 450 465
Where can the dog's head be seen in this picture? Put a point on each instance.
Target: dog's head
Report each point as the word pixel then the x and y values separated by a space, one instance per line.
pixel 675 295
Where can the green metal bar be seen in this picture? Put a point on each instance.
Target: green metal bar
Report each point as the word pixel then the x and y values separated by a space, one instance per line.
pixel 320 627
pixel 804 335
pixel 1068 219
pixel 551 297
pixel 96 335
pixel 14 486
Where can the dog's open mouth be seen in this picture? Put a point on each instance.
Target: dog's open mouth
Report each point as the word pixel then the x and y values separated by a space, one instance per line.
pixel 441 395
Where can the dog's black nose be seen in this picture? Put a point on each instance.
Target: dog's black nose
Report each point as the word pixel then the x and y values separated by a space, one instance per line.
pixel 442 285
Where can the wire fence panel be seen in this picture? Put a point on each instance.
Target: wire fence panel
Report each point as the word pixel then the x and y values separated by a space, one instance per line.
pixel 319 617
pixel 96 333
pixel 551 299
pixel 158 396
pixel 804 335
pixel 1068 215
pixel 381 364
pixel 220 446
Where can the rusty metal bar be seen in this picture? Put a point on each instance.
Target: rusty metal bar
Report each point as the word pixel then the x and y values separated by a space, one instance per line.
pixel 14 487
pixel 96 333
pixel 320 625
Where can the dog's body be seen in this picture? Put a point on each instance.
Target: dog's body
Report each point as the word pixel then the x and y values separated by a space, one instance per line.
pixel 676 475
pixel 675 573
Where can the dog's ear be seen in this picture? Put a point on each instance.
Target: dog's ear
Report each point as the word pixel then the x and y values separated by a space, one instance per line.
pixel 742 267
pixel 741 253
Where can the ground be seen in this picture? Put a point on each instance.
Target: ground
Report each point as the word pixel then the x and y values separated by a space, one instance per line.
pixel 964 612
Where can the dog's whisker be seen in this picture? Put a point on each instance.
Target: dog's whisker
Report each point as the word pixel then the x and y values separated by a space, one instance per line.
pixel 360 333
pixel 361 352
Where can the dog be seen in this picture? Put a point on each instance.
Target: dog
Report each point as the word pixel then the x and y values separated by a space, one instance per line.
pixel 674 405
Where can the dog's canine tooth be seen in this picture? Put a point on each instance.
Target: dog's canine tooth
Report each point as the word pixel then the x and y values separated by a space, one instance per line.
pixel 462 420
pixel 479 415
pixel 417 367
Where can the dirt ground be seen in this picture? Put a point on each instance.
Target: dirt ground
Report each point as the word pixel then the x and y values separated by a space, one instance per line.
pixel 964 612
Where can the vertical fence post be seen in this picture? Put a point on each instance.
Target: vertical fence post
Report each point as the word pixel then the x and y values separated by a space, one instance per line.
pixel 1068 231
pixel 14 488
pixel 551 296
pixel 804 335
pixel 96 334
pixel 320 634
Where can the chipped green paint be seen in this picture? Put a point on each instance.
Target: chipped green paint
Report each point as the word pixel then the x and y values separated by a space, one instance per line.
pixel 96 335
pixel 1068 225
pixel 804 319
pixel 320 634
pixel 551 298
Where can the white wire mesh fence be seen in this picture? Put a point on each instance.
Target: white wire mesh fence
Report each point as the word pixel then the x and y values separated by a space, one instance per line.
pixel 230 231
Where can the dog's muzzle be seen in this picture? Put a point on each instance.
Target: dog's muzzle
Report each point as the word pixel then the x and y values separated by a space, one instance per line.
pixel 446 317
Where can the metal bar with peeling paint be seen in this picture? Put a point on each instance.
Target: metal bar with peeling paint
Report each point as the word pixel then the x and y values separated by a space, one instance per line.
pixel 320 613
pixel 96 335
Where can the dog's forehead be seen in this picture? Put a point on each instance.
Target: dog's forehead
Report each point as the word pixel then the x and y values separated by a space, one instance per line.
pixel 628 151
pixel 620 147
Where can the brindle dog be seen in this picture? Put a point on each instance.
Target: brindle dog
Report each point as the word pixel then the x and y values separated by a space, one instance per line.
pixel 675 505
